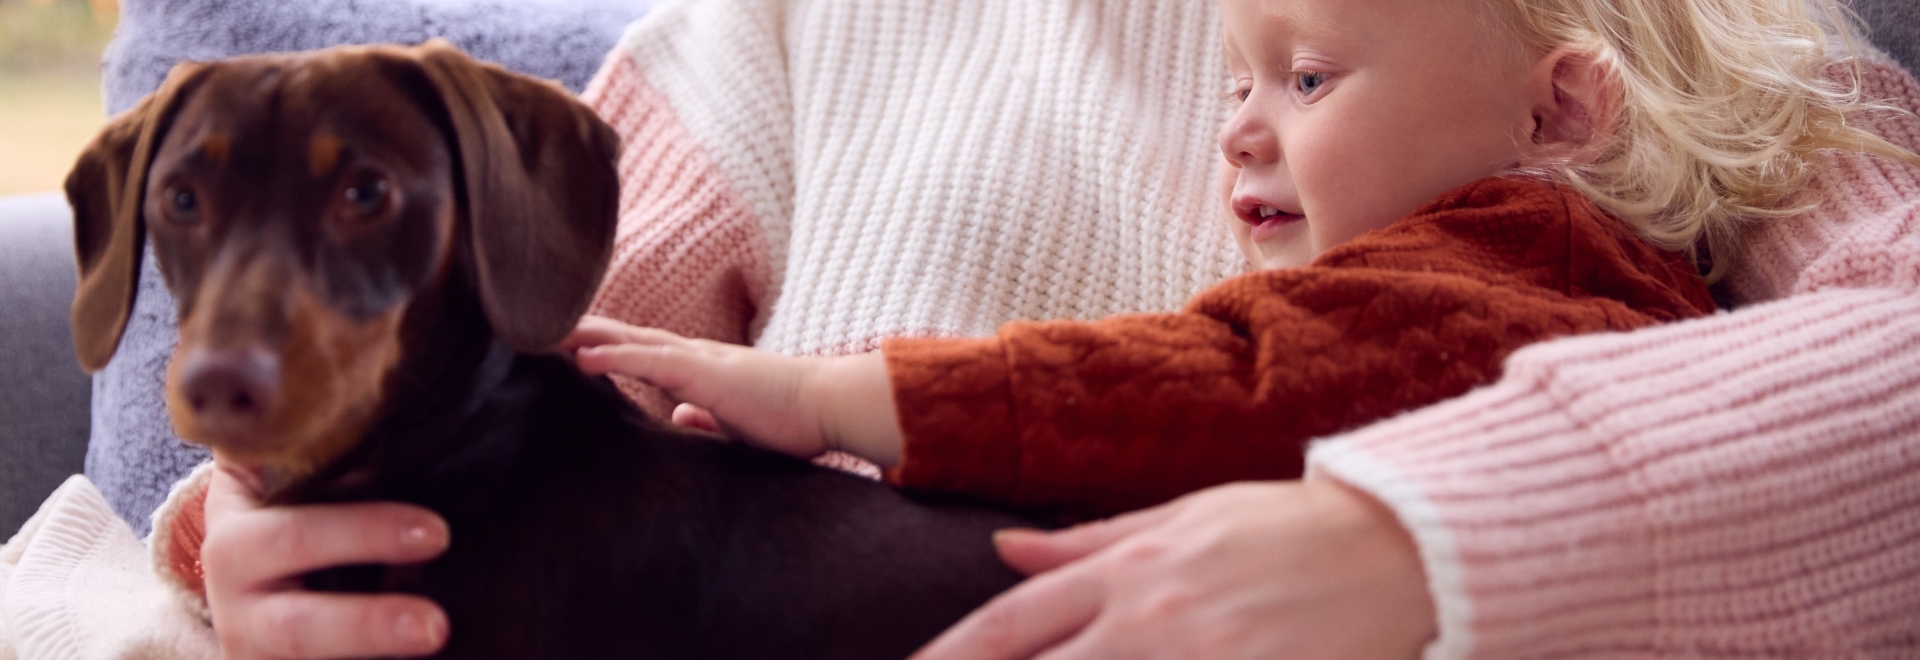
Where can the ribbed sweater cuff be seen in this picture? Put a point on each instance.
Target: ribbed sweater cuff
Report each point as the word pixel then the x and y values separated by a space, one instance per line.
pixel 956 413
pixel 1739 485
pixel 179 527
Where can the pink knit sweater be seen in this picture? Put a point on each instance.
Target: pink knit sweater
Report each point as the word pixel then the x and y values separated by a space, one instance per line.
pixel 1746 485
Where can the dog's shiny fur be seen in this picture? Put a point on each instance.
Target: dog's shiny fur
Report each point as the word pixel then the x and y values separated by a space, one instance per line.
pixel 371 248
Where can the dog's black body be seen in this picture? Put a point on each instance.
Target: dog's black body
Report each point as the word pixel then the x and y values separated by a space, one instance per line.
pixel 371 249
pixel 582 529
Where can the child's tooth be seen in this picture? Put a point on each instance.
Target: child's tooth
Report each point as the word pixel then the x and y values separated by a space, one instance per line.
pixel 1267 211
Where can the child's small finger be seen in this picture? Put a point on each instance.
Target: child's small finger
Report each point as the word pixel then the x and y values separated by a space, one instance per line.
pixel 600 331
pixel 582 338
pixel 662 366
pixel 593 331
pixel 616 358
pixel 653 337
pixel 695 417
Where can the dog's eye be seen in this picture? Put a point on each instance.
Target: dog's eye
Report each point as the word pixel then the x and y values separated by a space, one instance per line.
pixel 368 195
pixel 182 204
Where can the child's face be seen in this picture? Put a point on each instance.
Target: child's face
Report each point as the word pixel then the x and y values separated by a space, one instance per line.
pixel 1353 113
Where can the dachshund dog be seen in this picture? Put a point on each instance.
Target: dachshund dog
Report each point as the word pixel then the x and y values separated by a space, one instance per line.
pixel 373 249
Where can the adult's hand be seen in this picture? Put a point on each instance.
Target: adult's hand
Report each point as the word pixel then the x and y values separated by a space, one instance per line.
pixel 1268 570
pixel 253 558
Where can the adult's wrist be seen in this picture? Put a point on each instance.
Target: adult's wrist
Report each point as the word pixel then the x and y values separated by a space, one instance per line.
pixel 1378 539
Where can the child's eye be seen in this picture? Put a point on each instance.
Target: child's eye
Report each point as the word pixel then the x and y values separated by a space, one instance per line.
pixel 1309 82
pixel 1236 97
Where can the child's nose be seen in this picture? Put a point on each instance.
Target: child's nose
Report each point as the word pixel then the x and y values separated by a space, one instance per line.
pixel 1247 141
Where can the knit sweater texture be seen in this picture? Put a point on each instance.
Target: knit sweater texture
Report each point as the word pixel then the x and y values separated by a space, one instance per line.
pixel 814 177
pixel 1086 419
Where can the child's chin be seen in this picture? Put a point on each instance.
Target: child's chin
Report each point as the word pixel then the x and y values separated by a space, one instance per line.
pixel 1291 249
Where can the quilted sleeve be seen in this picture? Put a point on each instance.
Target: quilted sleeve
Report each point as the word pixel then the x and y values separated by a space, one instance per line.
pixel 1088 419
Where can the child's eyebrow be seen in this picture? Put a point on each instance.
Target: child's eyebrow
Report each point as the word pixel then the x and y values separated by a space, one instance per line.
pixel 1300 19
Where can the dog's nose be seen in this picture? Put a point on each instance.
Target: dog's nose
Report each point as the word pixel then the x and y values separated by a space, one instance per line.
pixel 230 388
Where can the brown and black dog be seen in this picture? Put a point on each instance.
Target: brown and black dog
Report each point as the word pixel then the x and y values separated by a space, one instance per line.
pixel 372 248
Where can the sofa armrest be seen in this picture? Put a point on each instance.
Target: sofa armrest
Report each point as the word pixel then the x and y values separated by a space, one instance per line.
pixel 44 411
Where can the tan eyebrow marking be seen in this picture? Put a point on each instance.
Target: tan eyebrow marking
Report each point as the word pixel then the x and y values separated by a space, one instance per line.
pixel 323 154
pixel 218 148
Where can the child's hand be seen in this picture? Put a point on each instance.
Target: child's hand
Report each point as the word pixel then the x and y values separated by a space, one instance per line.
pixel 801 406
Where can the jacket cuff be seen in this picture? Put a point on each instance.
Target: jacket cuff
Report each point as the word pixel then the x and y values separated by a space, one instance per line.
pixel 956 415
pixel 179 526
pixel 1453 473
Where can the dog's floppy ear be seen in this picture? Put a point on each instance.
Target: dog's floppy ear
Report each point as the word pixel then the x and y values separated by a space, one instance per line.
pixel 105 189
pixel 542 193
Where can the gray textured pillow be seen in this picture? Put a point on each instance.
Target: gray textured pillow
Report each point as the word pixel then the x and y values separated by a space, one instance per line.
pixel 1895 28
pixel 133 455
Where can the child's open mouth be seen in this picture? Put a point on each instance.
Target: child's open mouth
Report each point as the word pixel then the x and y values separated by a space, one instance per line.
pixel 1266 219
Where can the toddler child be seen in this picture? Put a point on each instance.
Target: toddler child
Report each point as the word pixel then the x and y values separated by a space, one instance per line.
pixel 1423 186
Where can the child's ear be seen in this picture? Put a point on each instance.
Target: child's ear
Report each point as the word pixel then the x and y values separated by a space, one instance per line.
pixel 1576 100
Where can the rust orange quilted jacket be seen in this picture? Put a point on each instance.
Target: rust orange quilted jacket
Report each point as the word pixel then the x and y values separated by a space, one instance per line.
pixel 1086 419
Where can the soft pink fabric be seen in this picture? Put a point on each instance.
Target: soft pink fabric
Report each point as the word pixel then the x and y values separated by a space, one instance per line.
pixel 1746 485
pixel 689 257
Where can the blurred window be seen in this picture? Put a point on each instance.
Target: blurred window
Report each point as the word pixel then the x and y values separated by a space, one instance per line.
pixel 49 87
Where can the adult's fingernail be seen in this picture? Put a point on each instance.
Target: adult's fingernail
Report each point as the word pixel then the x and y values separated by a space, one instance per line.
pixel 425 633
pixel 419 536
pixel 1007 533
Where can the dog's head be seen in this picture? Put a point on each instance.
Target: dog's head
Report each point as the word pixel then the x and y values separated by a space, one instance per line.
pixel 298 204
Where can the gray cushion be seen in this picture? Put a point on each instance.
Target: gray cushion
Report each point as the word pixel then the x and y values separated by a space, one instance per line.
pixel 133 455
pixel 43 417
pixel 1894 26
pixel 562 40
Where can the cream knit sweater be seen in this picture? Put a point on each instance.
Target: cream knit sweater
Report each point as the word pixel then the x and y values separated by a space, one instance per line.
pixel 812 177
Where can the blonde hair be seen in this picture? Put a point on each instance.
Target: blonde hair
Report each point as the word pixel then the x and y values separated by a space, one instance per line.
pixel 1722 109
